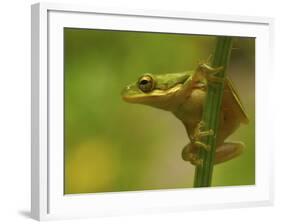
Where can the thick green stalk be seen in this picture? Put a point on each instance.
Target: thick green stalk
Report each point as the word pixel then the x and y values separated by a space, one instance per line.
pixel 211 112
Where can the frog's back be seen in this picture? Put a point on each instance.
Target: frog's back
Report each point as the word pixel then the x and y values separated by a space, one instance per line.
pixel 232 101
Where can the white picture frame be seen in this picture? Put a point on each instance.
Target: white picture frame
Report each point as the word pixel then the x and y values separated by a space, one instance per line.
pixel 48 201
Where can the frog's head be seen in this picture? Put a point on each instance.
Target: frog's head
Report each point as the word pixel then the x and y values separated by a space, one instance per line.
pixel 161 91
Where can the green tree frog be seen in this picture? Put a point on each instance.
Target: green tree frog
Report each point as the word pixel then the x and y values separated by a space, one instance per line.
pixel 183 94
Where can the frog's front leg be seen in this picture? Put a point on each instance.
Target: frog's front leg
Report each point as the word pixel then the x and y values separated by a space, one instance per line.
pixel 199 132
pixel 208 72
pixel 191 151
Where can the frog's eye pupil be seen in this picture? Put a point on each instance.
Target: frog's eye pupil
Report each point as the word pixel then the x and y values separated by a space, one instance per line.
pixel 143 82
pixel 146 83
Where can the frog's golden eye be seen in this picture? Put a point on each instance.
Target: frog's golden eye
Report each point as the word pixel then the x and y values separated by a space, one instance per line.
pixel 146 83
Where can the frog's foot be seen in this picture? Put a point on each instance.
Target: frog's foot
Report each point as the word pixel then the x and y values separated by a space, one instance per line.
pixel 209 73
pixel 199 132
pixel 188 154
pixel 228 151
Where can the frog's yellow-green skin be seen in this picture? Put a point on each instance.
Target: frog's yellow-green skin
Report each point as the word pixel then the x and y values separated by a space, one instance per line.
pixel 183 94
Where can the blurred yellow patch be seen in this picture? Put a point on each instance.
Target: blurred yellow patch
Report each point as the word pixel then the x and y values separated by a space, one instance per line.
pixel 91 167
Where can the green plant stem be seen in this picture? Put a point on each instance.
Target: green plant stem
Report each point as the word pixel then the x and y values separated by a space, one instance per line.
pixel 211 113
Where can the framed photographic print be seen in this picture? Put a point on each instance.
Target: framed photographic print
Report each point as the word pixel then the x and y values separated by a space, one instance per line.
pixel 148 111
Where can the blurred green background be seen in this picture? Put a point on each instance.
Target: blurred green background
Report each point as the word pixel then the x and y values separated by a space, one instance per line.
pixel 111 145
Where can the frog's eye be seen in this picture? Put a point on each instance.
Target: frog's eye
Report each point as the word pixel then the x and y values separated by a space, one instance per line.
pixel 146 83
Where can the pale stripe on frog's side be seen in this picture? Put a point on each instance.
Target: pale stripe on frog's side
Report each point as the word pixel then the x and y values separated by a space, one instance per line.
pixel 183 94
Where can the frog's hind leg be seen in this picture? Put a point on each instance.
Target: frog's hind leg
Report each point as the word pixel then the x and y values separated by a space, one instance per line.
pixel 224 152
pixel 228 151
pixel 190 153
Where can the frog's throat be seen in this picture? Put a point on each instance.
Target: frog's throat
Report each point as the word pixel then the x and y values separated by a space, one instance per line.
pixel 153 95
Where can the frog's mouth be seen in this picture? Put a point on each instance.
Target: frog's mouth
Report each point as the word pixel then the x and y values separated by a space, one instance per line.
pixel 137 96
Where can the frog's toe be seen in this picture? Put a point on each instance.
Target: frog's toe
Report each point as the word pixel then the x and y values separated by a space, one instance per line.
pixel 200 131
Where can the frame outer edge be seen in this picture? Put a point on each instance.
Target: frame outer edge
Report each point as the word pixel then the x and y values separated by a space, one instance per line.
pixel 39 197
pixel 273 72
pixel 39 89
pixel 35 178
pixel 71 7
